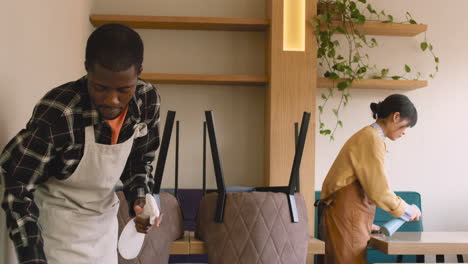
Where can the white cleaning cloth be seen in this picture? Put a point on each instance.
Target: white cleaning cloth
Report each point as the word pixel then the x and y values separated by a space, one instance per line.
pixel 151 208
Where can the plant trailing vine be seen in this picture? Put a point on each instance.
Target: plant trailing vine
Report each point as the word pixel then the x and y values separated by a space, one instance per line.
pixel 353 64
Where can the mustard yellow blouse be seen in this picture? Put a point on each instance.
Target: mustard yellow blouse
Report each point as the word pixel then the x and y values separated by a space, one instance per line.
pixel 362 159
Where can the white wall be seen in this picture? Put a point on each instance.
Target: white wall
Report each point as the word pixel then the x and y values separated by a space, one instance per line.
pixel 42 46
pixel 238 110
pixel 430 158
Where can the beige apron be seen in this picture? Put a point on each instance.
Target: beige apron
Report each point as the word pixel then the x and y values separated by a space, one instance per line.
pixel 346 222
pixel 78 215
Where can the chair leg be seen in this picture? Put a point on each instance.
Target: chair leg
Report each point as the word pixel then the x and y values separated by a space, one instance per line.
pixel 440 259
pixel 460 259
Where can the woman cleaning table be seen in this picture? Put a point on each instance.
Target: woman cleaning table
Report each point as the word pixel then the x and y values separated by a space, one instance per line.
pixel 357 182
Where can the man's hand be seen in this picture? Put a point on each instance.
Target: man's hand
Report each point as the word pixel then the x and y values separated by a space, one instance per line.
pixel 142 224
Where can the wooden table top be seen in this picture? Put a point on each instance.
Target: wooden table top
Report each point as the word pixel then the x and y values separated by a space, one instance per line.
pixel 316 246
pixel 421 243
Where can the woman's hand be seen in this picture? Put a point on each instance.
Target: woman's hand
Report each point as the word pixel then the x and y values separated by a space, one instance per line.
pixel 415 213
pixel 375 228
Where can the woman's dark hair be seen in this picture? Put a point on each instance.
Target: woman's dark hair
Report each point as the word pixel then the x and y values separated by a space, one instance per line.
pixel 395 103
pixel 115 47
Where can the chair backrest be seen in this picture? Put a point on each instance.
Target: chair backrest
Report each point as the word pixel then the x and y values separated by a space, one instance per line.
pixel 254 225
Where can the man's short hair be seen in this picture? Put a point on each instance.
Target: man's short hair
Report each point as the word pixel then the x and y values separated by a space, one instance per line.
pixel 115 47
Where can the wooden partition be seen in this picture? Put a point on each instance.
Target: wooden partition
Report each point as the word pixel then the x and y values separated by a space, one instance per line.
pixel 291 91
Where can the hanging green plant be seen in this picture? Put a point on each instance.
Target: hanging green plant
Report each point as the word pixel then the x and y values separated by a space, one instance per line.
pixel 344 68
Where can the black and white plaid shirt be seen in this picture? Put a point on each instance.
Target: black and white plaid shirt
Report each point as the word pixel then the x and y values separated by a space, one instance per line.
pixel 52 145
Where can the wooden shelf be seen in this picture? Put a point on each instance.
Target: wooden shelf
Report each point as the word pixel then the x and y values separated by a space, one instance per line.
pixel 205 79
pixel 185 23
pixel 241 24
pixel 253 80
pixel 376 84
pixel 388 29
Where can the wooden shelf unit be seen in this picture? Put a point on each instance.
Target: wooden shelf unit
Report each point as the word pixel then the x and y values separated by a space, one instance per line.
pixel 404 85
pixel 388 29
pixel 239 24
pixel 205 79
pixel 184 23
pixel 258 80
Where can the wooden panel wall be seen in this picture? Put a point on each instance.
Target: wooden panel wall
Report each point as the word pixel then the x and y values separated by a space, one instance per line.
pixel 292 90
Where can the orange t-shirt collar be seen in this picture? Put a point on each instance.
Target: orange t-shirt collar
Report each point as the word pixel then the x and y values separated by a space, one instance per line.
pixel 116 125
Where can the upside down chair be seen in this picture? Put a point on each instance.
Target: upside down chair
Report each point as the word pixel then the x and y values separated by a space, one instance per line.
pixel 254 225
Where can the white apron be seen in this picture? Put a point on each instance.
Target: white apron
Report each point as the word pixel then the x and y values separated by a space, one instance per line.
pixel 78 215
